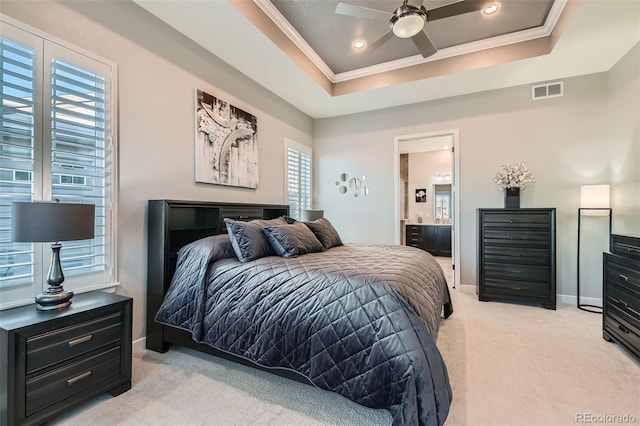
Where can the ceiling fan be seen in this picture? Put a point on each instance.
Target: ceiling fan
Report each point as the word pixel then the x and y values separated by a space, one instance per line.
pixel 408 20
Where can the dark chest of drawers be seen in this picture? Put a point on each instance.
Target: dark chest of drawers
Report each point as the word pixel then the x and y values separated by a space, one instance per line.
pixel 517 255
pixel 621 278
pixel 52 361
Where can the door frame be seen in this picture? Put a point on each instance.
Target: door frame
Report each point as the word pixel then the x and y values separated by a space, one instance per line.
pixel 454 134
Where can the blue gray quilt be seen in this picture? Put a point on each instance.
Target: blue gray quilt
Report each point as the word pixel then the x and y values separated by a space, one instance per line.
pixel 359 320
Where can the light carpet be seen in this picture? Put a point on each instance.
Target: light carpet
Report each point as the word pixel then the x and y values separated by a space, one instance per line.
pixel 509 364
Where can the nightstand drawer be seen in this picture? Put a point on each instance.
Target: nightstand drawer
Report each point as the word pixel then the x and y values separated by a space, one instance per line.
pixel 59 345
pixel 56 385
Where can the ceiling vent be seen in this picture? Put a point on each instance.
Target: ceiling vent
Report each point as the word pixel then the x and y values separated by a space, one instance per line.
pixel 548 90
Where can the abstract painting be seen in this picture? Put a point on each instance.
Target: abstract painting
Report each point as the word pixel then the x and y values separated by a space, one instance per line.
pixel 226 143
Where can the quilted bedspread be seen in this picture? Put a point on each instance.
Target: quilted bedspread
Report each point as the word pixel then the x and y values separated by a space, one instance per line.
pixel 359 320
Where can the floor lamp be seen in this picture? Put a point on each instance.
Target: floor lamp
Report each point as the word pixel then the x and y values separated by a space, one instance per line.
pixel 594 201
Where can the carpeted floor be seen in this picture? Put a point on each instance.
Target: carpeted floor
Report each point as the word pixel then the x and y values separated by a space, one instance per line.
pixel 509 364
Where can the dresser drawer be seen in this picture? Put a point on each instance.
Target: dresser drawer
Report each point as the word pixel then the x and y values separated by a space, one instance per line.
pixel 623 273
pixel 59 345
pixel 516 237
pixel 625 306
pixel 627 336
pixel 625 246
pixel 56 385
pixel 517 220
pixel 523 255
pixel 500 287
pixel 518 272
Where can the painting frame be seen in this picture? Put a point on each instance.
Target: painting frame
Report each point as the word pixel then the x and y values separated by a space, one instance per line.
pixel 226 143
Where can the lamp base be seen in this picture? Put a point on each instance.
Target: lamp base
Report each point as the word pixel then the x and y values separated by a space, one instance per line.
pixel 54 298
pixel 590 308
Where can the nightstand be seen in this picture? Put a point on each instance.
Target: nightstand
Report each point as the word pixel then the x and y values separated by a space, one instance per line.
pixel 51 361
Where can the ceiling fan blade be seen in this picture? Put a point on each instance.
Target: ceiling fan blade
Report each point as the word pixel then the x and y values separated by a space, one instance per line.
pixel 415 3
pixel 362 12
pixel 458 8
pixel 424 44
pixel 379 42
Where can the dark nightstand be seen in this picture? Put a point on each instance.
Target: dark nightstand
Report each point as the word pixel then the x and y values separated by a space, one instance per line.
pixel 52 361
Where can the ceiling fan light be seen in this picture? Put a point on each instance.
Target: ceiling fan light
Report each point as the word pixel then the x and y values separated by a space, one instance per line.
pixel 407 22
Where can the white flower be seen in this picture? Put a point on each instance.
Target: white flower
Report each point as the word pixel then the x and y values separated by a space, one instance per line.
pixel 514 176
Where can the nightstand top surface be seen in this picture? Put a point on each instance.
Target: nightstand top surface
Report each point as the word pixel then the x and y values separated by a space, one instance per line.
pixel 24 316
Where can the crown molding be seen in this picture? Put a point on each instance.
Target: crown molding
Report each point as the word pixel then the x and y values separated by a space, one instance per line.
pixel 503 40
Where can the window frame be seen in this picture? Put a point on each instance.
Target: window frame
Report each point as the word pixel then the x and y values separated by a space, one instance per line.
pixel 303 149
pixel 46 46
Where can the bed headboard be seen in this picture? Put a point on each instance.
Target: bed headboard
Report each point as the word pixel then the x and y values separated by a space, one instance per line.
pixel 172 224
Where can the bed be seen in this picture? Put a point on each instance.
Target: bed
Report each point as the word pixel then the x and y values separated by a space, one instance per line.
pixel 359 320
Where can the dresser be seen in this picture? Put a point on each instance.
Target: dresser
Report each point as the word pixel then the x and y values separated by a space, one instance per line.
pixel 621 278
pixel 436 239
pixel 51 361
pixel 517 255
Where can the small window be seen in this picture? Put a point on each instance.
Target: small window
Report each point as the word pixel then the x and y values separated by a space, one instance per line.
pixel 298 177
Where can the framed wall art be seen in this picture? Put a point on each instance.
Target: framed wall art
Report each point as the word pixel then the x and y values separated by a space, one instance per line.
pixel 226 143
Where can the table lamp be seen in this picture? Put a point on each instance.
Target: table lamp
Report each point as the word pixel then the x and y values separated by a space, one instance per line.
pixel 52 222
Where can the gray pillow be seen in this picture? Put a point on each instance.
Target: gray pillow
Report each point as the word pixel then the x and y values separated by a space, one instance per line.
pixel 325 233
pixel 247 240
pixel 292 240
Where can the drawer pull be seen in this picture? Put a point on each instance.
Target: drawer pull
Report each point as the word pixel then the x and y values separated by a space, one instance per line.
pixel 79 377
pixel 515 288
pixel 243 217
pixel 515 238
pixel 624 277
pixel 623 328
pixel 514 255
pixel 516 271
pixel 79 340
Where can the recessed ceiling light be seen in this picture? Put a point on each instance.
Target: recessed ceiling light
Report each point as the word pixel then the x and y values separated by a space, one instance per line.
pixel 491 9
pixel 358 44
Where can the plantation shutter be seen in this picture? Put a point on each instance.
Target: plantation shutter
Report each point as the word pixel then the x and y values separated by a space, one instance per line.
pixel 78 156
pixel 17 156
pixel 298 178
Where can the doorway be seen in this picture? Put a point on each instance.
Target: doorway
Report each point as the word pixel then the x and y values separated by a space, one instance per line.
pixel 432 197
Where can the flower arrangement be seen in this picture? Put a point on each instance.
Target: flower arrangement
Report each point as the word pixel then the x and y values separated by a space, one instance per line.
pixel 514 176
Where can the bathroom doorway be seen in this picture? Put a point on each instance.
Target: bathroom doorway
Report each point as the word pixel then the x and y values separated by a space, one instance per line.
pixel 427 196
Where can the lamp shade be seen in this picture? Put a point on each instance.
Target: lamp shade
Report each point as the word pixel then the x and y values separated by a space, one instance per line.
pixel 51 222
pixel 594 197
pixel 309 215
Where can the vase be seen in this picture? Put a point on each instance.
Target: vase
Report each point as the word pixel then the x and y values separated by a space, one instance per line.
pixel 512 198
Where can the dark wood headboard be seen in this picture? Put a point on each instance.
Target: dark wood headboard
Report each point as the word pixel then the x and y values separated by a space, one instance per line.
pixel 171 225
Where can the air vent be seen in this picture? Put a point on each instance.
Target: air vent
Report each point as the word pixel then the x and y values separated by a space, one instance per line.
pixel 548 90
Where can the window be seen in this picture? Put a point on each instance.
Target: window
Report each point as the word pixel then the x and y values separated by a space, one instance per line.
pixel 298 181
pixel 56 127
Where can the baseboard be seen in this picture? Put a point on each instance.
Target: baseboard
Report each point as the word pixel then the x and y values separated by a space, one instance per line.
pixel 572 300
pixel 139 345
pixel 568 299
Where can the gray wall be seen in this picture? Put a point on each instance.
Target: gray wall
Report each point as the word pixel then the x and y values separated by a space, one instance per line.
pixel 158 72
pixel 564 141
pixel 624 142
